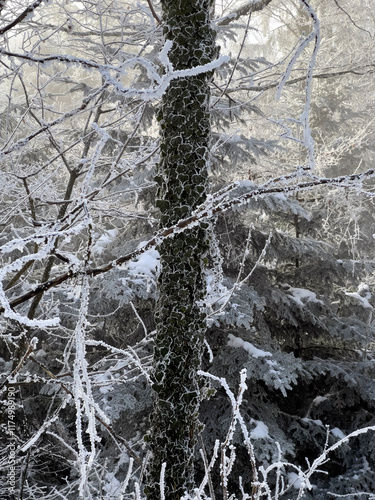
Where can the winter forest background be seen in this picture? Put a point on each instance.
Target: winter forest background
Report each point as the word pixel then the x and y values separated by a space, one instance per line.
pixel 187 249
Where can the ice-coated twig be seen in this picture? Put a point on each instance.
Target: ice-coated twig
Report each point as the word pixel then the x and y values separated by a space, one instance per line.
pixel 236 417
pixel 83 397
pixel 64 443
pixel 162 486
pixel 31 442
pixel 208 467
pixel 126 480
pixel 132 355
pixel 308 140
pixel 139 318
pixel 239 282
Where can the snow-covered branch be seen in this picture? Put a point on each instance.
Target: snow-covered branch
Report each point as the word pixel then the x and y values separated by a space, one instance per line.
pixel 250 6
pixel 206 212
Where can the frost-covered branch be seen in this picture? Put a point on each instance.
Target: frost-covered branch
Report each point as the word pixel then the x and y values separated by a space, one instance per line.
pixel 248 7
pixel 162 83
pixel 29 10
pixel 304 119
pixel 206 212
pixel 367 69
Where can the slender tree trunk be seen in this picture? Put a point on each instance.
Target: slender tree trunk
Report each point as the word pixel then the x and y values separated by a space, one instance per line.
pixel 185 133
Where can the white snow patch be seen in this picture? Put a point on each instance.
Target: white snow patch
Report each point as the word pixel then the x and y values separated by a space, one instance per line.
pixel 260 431
pixel 112 486
pixel 250 348
pixel 245 183
pixel 294 480
pixel 337 433
pixel 319 399
pixel 301 295
pixel 104 240
pixel 147 263
pixel 364 298
pixel 317 422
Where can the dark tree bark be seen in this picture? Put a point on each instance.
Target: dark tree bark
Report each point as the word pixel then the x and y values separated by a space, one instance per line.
pixel 185 133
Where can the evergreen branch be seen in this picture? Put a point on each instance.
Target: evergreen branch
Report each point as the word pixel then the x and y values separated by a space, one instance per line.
pixel 21 17
pixel 203 213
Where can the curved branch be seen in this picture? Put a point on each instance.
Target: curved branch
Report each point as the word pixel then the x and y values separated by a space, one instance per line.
pixel 153 12
pixel 205 212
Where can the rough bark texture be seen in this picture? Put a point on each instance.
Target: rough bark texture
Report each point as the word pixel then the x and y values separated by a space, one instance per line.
pixel 185 132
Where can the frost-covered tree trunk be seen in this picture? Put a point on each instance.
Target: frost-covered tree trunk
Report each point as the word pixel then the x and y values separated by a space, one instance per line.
pixel 185 132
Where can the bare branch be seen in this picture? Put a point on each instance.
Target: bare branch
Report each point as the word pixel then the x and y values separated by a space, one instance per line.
pixel 156 17
pixel 21 17
pixel 351 19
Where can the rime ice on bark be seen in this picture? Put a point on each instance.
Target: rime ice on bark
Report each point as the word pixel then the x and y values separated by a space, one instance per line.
pixel 182 176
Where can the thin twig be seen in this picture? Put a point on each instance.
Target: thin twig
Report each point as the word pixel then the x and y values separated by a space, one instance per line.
pixel 351 19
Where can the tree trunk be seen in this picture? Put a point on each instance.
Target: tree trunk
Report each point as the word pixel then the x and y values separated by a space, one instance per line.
pixel 184 118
